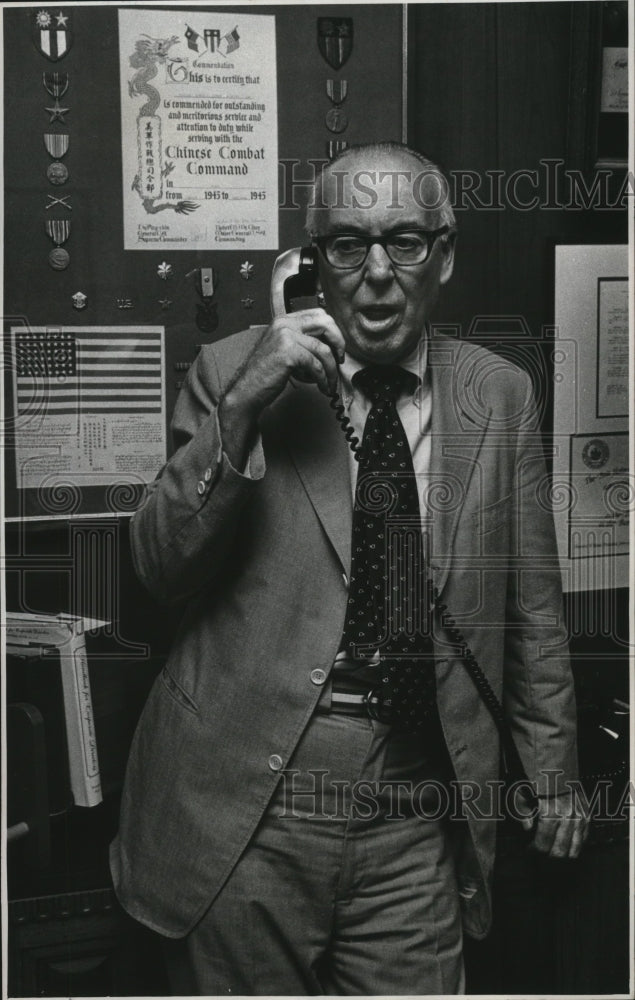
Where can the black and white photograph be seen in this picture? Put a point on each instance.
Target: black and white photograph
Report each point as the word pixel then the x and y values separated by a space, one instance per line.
pixel 317 499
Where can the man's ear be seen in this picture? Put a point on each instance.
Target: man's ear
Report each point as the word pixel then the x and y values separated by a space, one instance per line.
pixel 448 244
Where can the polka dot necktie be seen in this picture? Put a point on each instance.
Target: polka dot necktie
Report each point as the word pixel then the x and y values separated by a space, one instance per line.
pixel 388 604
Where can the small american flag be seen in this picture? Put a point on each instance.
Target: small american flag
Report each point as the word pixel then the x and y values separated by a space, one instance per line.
pixel 91 371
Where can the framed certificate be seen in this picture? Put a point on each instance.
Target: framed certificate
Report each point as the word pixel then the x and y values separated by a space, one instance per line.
pixel 598 94
pixel 593 489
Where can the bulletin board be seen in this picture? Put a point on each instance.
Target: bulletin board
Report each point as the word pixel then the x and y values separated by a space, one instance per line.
pixel 337 76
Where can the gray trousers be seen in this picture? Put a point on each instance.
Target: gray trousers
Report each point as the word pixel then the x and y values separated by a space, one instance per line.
pixel 345 888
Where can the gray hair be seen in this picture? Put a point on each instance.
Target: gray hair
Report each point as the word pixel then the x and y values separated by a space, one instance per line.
pixel 316 206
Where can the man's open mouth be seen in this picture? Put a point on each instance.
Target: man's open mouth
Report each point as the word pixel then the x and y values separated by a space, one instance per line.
pixel 377 318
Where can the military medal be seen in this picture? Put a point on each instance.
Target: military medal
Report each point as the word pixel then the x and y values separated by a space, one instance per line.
pixel 59 259
pixel 246 270
pixel 337 90
pixel 59 230
pixel 165 303
pixel 334 147
pixel 57 173
pixel 55 84
pixel 52 34
pixel 336 120
pixel 164 270
pixel 247 303
pixel 57 113
pixel 79 300
pixel 335 39
pixel 56 144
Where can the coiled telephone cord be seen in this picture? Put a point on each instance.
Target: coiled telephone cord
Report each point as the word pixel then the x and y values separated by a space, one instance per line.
pixel 511 759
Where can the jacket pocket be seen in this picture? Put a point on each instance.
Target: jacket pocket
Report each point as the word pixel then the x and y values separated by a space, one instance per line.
pixel 177 692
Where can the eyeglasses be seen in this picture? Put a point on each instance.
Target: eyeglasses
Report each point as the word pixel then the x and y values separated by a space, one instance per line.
pixel 347 251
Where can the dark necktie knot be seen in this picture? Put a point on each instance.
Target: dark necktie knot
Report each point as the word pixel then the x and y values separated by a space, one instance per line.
pixel 385 383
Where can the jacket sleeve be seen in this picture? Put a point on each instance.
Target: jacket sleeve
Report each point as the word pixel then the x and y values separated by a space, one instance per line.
pixel 184 530
pixel 539 697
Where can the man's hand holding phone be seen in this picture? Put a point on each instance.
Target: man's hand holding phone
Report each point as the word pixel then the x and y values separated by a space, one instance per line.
pixel 305 345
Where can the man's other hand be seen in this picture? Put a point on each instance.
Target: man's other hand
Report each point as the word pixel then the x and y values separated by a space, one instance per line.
pixel 560 828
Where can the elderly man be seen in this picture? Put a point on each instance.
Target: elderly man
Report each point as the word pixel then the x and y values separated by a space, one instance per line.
pixel 284 818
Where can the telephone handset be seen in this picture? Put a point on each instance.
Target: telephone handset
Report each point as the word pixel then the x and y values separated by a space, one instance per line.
pixel 294 281
pixel 293 287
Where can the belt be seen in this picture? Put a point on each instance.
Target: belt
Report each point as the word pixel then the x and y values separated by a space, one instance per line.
pixel 357 696
pixel 353 704
pixel 364 700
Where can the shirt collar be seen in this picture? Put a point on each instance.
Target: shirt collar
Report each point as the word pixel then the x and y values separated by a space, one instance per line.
pixel 416 362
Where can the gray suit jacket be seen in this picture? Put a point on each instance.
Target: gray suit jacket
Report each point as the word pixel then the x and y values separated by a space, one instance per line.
pixel 264 564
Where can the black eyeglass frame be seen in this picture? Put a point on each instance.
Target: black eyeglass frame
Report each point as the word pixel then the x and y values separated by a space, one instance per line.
pixel 431 236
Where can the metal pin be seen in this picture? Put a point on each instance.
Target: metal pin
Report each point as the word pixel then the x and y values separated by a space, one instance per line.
pixel 64 202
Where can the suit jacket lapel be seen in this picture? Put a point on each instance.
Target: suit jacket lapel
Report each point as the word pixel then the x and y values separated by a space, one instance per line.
pixel 456 441
pixel 320 453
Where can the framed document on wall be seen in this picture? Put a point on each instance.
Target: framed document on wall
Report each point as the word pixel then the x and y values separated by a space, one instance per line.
pixel 593 487
pixel 199 130
pixel 598 91
pixel 86 419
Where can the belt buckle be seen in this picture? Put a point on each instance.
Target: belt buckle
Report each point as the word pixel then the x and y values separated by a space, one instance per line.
pixel 376 708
